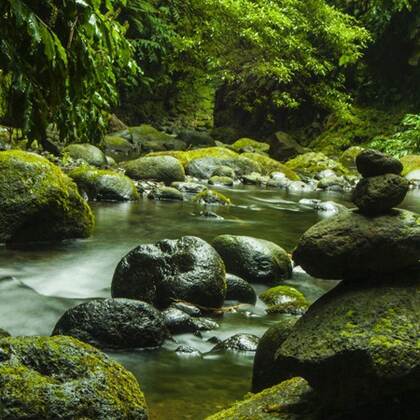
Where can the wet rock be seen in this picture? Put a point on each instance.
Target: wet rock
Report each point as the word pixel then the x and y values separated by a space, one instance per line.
pixel 255 260
pixel 311 163
pixel 87 152
pixel 211 198
pixel 265 372
pixel 159 168
pixel 328 207
pixel 352 246
pixel 104 185
pixel 61 378
pixel 238 343
pixel 52 211
pixel 224 171
pixel 279 180
pixel 180 322
pixel 210 215
pixel 224 181
pixel 196 138
pixel 240 290
pixel 284 300
pixel 249 145
pixel 373 163
pixel 117 144
pixel 255 179
pixel 300 187
pixel 166 194
pixel 187 351
pixel 189 187
pixel 326 173
pixel 357 345
pixel 333 183
pixel 187 269
pixel 378 194
pixel 114 323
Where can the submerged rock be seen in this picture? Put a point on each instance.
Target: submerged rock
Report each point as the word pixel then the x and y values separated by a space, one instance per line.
pixel 284 300
pixel 357 345
pixel 352 246
pixel 159 168
pixel 186 269
pixel 87 152
pixel 39 202
pixel 373 163
pixel 211 198
pixel 239 289
pixel 378 194
pixel 61 378
pixel 114 323
pixel 256 260
pixel 238 343
pixel 265 373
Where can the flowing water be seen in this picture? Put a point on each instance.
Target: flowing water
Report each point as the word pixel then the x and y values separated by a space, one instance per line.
pixel 38 285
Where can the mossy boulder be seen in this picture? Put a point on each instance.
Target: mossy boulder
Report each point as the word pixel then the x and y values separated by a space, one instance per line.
pixel 311 163
pixel 104 185
pixel 379 194
pixel 265 374
pixel 224 170
pixel 113 143
pixel 249 145
pixel 290 400
pixel 352 246
pixel 410 163
pixel 270 165
pixel 196 138
pixel 87 152
pixel 348 157
pixel 39 202
pixel 211 198
pixel 373 163
pixel 61 378
pixel 149 139
pixel 186 269
pixel 114 323
pixel 284 300
pixel 255 260
pixel 240 290
pixel 158 168
pixel 358 344
pixel 166 194
pixel 223 181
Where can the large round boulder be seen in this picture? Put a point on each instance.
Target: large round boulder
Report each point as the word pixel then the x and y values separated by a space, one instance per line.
pixel 256 260
pixel 104 185
pixel 353 246
pixel 61 378
pixel 358 344
pixel 87 152
pixel 114 323
pixel 158 168
pixel 39 202
pixel 186 269
pixel 378 194
pixel 373 163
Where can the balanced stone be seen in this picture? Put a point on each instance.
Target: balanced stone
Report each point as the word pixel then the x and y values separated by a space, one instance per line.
pixel 374 163
pixel 378 194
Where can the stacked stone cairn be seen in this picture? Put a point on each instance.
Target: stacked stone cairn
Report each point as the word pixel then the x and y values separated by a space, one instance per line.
pixel 358 347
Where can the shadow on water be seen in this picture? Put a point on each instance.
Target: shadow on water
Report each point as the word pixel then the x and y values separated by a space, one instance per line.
pixel 38 285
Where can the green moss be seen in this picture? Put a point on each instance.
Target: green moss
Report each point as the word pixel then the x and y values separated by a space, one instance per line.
pixel 284 299
pixel 269 165
pixel 410 163
pixel 117 143
pixel 309 164
pixel 250 145
pixel 348 157
pixel 211 197
pixel 87 152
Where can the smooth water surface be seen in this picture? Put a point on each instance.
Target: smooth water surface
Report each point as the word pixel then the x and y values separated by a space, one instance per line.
pixel 37 286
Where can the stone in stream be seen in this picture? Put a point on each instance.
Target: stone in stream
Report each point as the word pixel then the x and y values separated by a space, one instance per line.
pixel 114 323
pixel 265 373
pixel 237 343
pixel 358 344
pixel 166 169
pixel 211 198
pixel 255 260
pixel 87 152
pixel 224 171
pixel 240 290
pixel 189 187
pixel 353 246
pixel 180 322
pixel 373 163
pixel 166 194
pixel 300 187
pixel 186 269
pixel 224 181
pixel 378 194
pixel 284 300
pixel 61 378
pixel 38 202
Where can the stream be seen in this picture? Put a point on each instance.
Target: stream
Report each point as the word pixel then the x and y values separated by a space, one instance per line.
pixel 38 285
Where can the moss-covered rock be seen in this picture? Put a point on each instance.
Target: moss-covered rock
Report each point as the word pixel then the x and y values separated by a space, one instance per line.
pixel 149 139
pixel 265 374
pixel 249 145
pixel 358 344
pixel 104 185
pixel 39 202
pixel 373 163
pixel 255 260
pixel 410 163
pixel 311 163
pixel 211 198
pixel 285 300
pixel 224 181
pixel 269 165
pixel 348 157
pixel 113 143
pixel 159 168
pixel 352 246
pixel 290 400
pixel 60 377
pixel 87 152
pixel 166 194
pixel 224 170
